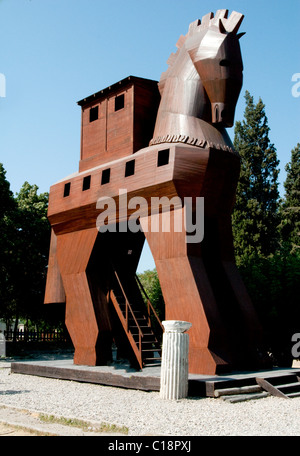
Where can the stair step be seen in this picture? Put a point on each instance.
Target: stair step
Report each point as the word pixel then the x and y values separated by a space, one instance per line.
pixel 151 350
pixel 135 332
pixel 141 321
pixel 152 363
pixel 284 379
pixel 296 394
pixel 137 324
pixel 237 390
pixel 245 397
pixel 151 347
pixel 152 341
pixel 289 385
pixel 152 359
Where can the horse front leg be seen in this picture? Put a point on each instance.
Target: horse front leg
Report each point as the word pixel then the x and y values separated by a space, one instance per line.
pixel 188 294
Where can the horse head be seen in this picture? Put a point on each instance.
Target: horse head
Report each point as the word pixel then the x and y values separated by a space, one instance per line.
pixel 213 46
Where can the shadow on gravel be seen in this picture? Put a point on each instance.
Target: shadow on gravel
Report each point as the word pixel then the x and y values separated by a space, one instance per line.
pixel 12 392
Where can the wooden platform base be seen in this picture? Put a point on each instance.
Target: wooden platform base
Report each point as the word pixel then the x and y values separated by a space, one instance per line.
pixel 149 378
pixel 116 375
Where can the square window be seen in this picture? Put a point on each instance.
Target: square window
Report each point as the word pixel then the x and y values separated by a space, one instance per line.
pixel 67 189
pixel 163 157
pixel 93 114
pixel 129 170
pixel 119 102
pixel 105 176
pixel 86 183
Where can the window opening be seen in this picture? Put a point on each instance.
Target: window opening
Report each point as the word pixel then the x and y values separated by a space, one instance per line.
pixel 105 176
pixel 119 102
pixel 163 157
pixel 67 189
pixel 86 183
pixel 93 114
pixel 129 170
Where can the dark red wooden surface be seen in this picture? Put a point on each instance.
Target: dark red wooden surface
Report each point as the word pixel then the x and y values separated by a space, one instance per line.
pixel 200 281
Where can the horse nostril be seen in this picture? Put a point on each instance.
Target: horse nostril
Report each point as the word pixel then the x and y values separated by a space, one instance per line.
pixel 217 112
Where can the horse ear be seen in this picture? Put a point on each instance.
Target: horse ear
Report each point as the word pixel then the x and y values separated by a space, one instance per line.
pixel 221 27
pixel 239 35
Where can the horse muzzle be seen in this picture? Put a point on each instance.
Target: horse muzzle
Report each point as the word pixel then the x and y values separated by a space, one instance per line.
pixel 221 115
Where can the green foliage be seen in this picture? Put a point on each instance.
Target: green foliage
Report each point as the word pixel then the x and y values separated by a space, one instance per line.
pixel 31 247
pixel 7 203
pixel 255 215
pixel 24 242
pixel 150 282
pixel 8 209
pixel 274 285
pixel 84 425
pixel 266 230
pixel 290 205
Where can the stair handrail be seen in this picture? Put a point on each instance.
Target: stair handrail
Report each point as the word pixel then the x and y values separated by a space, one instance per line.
pixel 128 306
pixel 149 304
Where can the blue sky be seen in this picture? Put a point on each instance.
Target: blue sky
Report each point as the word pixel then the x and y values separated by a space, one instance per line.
pixel 56 52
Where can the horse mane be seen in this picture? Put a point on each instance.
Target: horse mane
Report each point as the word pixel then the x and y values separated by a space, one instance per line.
pixel 220 20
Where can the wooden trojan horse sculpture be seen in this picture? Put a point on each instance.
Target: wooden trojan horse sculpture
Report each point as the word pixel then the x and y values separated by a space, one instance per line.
pixel 94 250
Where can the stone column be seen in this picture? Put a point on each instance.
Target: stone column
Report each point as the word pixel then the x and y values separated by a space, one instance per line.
pixel 2 345
pixel 174 368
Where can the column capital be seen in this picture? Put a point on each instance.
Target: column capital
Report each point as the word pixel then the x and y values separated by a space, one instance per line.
pixel 176 326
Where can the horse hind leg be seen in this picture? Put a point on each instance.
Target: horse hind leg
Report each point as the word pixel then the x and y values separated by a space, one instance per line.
pixel 73 252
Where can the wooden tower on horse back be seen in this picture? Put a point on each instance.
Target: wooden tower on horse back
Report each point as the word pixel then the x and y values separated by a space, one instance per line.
pixel 149 153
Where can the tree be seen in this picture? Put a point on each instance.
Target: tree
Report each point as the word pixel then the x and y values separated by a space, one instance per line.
pixel 270 272
pixel 31 247
pixel 7 230
pixel 290 207
pixel 274 285
pixel 255 215
pixel 24 248
pixel 150 282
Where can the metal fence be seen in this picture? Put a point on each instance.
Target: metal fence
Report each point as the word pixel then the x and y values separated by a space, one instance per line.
pixel 35 336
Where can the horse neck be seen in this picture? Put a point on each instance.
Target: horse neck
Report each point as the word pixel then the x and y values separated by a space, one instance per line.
pixel 183 91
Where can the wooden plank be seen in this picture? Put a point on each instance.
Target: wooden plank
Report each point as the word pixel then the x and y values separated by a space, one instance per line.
pixel 237 390
pixel 146 383
pixel 245 397
pixel 295 394
pixel 267 386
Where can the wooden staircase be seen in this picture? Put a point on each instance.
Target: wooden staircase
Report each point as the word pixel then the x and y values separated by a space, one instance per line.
pixel 287 386
pixel 283 385
pixel 136 321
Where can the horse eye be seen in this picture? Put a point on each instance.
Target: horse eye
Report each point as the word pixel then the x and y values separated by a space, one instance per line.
pixel 224 62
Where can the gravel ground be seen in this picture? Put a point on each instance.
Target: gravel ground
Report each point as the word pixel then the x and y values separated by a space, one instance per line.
pixel 145 413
